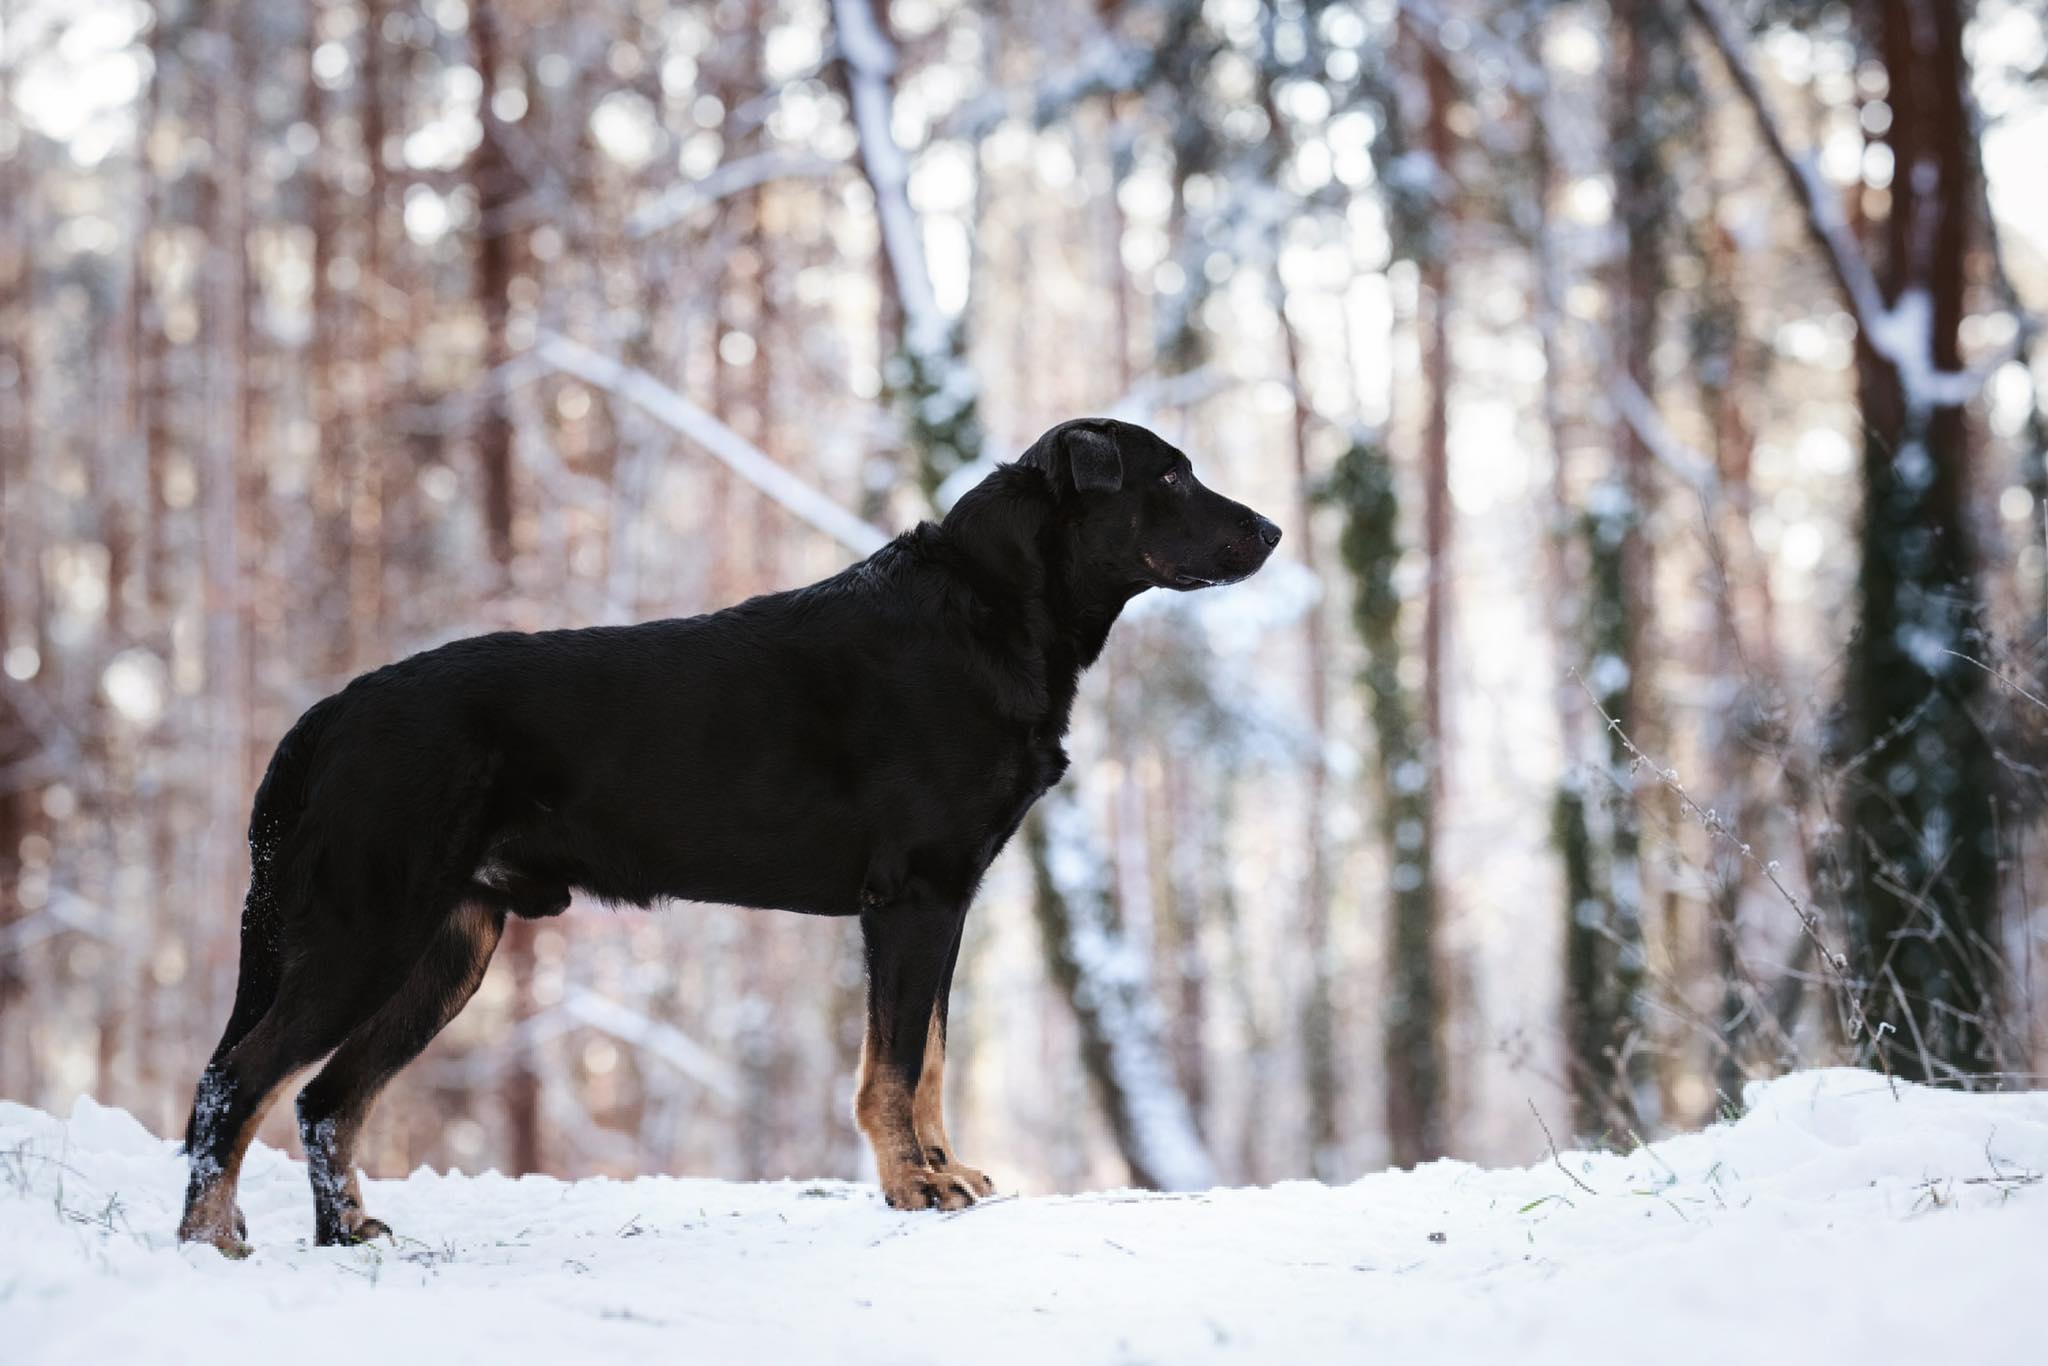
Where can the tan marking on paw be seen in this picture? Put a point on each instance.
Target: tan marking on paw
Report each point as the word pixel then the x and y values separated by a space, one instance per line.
pixel 912 1188
pixel 975 1180
pixel 928 1118
pixel 358 1227
pixel 212 1218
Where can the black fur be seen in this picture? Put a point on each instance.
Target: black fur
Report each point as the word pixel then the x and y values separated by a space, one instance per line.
pixel 864 745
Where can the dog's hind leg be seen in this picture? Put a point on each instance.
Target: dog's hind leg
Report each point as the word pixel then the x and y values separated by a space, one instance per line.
pixel 909 945
pixel 308 1018
pixel 334 1104
pixel 255 992
pixel 927 1104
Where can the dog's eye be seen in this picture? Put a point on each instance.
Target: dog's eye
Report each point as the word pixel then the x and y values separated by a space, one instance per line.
pixel 1171 478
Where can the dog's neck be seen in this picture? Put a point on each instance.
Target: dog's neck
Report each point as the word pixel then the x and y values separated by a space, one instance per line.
pixel 1026 565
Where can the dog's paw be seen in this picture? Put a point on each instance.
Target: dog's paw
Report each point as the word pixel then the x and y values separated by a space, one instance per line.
pixel 351 1229
pixel 212 1217
pixel 977 1181
pixel 923 1188
pixel 940 1160
pixel 230 1239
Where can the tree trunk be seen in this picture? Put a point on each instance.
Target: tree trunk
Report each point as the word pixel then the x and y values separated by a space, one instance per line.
pixel 492 176
pixel 1570 605
pixel 368 495
pixel 1318 1011
pixel 495 183
pixel 1409 727
pixel 1922 857
pixel 328 590
pixel 1110 989
pixel 225 287
pixel 1612 1054
pixel 1363 484
pixel 17 433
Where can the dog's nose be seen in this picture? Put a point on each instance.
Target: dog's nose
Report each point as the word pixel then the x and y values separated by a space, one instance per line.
pixel 1268 533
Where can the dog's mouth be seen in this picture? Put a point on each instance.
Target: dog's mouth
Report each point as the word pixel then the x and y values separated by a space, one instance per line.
pixel 1187 581
pixel 1167 576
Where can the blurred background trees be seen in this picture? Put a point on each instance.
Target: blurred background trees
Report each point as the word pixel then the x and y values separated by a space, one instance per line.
pixel 1648 695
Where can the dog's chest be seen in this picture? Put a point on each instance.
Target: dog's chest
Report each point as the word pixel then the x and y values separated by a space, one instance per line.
pixel 1041 762
pixel 1010 781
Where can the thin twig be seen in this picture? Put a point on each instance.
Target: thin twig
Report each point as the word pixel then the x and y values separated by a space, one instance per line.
pixel 1999 676
pixel 1555 1156
pixel 1809 921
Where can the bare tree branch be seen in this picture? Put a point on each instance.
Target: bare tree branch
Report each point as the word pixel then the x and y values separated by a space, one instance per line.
pixel 677 202
pixel 1831 231
pixel 734 451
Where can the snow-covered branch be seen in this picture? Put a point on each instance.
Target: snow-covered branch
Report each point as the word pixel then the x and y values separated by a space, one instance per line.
pixel 1664 445
pixel 1183 390
pixel 677 202
pixel 936 387
pixel 870 63
pixel 1901 332
pixel 1837 240
pixel 731 449
pixel 1107 66
pixel 653 1037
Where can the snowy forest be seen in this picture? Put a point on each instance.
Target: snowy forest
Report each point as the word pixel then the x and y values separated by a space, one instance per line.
pixel 1647 696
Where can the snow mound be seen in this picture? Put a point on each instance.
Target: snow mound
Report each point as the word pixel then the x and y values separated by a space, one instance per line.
pixel 1836 1221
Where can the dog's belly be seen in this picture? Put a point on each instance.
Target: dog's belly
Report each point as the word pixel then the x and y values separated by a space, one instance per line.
pixel 815 878
pixel 838 864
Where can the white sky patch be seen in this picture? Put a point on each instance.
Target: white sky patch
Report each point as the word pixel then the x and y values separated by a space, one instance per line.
pixel 2014 158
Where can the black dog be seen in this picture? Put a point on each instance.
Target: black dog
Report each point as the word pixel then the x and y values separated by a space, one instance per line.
pixel 863 746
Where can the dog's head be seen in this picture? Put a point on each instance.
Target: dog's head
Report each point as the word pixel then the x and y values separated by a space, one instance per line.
pixel 1137 511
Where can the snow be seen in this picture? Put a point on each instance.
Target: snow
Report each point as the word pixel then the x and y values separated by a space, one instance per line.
pixel 1904 335
pixel 1832 1223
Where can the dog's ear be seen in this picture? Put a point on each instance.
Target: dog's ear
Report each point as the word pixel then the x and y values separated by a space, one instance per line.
pixel 1092 456
pixel 1083 453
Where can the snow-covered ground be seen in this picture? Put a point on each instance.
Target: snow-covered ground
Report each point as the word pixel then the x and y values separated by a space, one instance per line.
pixel 1832 1223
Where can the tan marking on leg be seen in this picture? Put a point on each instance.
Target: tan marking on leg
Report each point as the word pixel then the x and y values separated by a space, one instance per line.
pixel 331 1164
pixel 331 1144
pixel 928 1116
pixel 882 1106
pixel 211 1214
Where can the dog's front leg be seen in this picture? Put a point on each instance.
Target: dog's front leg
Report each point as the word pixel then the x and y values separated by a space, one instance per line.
pixel 909 946
pixel 928 1112
pixel 928 1106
